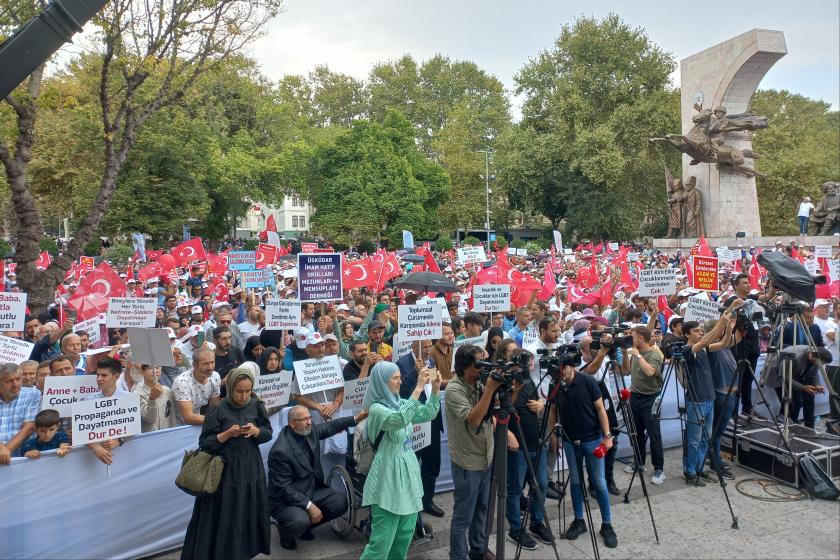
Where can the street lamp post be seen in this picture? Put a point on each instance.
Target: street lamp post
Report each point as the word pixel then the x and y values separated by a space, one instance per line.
pixel 487 195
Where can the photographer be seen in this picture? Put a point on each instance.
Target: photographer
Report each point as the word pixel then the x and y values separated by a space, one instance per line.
pixel 747 348
pixel 644 364
pixel 585 427
pixel 805 382
pixel 549 333
pixel 470 452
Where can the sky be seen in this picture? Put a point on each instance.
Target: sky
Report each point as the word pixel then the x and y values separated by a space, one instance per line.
pixel 500 37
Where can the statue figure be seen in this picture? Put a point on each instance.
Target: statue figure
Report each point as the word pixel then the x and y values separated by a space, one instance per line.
pixel 706 141
pixel 675 205
pixel 825 219
pixel 692 210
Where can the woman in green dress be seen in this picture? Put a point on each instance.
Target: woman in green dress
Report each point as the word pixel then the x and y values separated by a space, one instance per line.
pixel 393 488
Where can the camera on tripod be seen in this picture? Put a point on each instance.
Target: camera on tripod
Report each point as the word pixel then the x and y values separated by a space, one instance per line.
pixel 564 355
pixel 506 373
pixel 620 337
pixel 677 349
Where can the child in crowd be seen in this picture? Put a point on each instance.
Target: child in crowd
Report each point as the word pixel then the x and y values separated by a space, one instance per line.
pixel 49 435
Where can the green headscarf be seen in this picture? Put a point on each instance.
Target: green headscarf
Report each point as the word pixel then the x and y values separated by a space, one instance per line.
pixel 233 377
pixel 378 391
pixel 380 307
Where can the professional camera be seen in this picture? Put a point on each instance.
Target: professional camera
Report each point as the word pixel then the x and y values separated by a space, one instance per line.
pixel 505 373
pixel 620 338
pixel 677 349
pixel 564 355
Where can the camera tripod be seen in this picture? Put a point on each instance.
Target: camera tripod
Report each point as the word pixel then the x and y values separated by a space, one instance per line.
pixel 504 412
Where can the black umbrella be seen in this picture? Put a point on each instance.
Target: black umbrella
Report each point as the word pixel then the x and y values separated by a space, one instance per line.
pixel 426 282
pixel 414 258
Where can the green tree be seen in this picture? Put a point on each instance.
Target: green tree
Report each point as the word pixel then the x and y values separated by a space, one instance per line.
pixel 800 151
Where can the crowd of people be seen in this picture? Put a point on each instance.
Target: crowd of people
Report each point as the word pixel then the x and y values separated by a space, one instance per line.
pixel 582 304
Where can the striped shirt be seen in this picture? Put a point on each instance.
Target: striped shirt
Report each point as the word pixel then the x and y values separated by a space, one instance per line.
pixel 22 408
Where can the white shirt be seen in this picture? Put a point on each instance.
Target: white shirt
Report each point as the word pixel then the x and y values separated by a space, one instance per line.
pixel 187 388
pixel 536 374
pixel 805 209
pixel 829 326
pixel 247 329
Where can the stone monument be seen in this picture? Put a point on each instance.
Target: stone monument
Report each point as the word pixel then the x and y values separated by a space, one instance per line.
pixel 825 219
pixel 726 76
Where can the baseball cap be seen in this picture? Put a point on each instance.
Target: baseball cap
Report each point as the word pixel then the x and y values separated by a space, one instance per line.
pixel 196 310
pixel 343 307
pixel 330 337
pixel 821 301
pixel 171 333
pixel 301 336
pixel 375 325
pixel 314 338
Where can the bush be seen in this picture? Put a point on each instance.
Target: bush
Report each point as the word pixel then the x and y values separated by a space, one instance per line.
pixel 517 244
pixel 366 246
pixel 470 240
pixel 49 245
pixel 501 242
pixel 94 248
pixel 443 243
pixel 533 247
pixel 250 244
pixel 119 254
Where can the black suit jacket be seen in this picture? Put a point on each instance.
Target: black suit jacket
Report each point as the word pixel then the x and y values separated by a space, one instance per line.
pixel 291 478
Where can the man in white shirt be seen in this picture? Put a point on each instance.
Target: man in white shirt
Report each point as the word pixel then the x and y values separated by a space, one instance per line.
pixel 828 329
pixel 196 388
pixel 804 214
pixel 108 371
pixel 251 325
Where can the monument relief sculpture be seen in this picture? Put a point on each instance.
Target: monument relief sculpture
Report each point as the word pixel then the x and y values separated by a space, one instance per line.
pixel 675 214
pixel 825 219
pixel 685 208
pixel 706 141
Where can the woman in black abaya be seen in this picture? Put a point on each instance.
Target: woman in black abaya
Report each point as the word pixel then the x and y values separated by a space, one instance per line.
pixel 233 522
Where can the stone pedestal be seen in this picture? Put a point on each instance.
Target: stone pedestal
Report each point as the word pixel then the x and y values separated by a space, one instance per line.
pixel 672 245
pixel 727 74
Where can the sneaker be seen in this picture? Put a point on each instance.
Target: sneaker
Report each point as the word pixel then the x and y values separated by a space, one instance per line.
pixel 540 531
pixel 522 537
pixel 288 544
pixel 708 476
pixel 658 477
pixel 552 491
pixel 607 533
pixel 695 480
pixel 629 468
pixel 613 489
pixel 576 529
pixel 727 473
pixel 307 536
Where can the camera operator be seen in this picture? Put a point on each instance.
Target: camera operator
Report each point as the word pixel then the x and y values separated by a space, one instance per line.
pixel 747 348
pixel 674 334
pixel 644 364
pixel 470 452
pixel 805 382
pixel 585 426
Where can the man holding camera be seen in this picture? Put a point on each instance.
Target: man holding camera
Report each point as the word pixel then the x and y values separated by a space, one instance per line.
pixel 470 452
pixel 645 368
pixel 585 430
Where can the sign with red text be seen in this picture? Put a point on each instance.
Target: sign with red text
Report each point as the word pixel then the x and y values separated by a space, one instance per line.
pixel 308 247
pixel 704 273
pixel 106 418
pixel 126 312
pixel 274 389
pixel 12 311
pixel 354 393
pixel 421 436
pixel 657 282
pixel 419 322
pixel 91 327
pixel 491 298
pixel 61 392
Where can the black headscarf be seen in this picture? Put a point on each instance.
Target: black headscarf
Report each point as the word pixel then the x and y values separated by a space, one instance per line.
pixel 263 361
pixel 250 344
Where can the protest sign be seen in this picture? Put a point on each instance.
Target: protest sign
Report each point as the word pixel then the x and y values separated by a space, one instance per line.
pixel 558 240
pixel 131 312
pixel 242 260
pixel 834 270
pixel 60 392
pixel 282 314
pixel 256 278
pixel 657 282
pixel 633 256
pixel 471 254
pixel 491 298
pixel 401 347
pixel 308 247
pixel 613 246
pixel 91 327
pixel 728 255
pixel 274 389
pixel 704 273
pixel 701 310
pixel 319 277
pixel 318 375
pixel 530 337
pixel 421 436
pixel 419 322
pixel 12 311
pixel 822 251
pixel 106 418
pixel 87 263
pixel 476 340
pixel 266 254
pixel 812 267
pixel 354 393
pixel 14 351
pixel 150 346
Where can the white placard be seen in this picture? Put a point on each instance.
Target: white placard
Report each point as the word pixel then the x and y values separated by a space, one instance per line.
pixel 657 282
pixel 822 251
pixel 318 375
pixel 131 312
pixel 419 322
pixel 728 255
pixel 633 256
pixel 421 436
pixel 281 314
pixel 107 418
pixel 491 298
pixel 476 341
pixel 701 310
pixel 12 311
pixel 91 327
pixel 150 347
pixel 401 347
pixel 613 246
pixel 14 351
pixel 558 240
pixel 60 392
pixel 354 393
pixel 812 266
pixel 529 337
pixel 472 254
pixel 834 270
pixel 274 389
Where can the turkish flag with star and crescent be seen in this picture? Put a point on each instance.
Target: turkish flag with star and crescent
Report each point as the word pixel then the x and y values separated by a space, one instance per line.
pixel 358 274
pixel 189 251
pixel 94 291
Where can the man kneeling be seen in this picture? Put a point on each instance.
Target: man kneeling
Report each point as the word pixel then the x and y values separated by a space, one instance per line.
pixel 297 494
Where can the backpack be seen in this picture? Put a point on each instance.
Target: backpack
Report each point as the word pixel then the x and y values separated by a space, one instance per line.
pixel 363 451
pixel 814 479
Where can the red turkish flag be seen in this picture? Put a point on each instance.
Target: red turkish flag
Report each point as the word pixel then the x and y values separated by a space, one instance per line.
pixel 357 274
pixel 149 271
pixel 266 254
pixel 270 224
pixel 430 263
pixel 189 251
pixel 605 295
pixel 220 289
pixel 218 264
pixel 549 283
pixel 703 248
pixel 154 255
pixel 44 261
pixel 577 295
pixel 390 269
pixel 94 291
pixel 755 274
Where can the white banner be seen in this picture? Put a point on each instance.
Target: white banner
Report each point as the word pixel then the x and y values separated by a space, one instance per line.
pixel 701 309
pixel 558 240
pixel 812 266
pixel 91 327
pixel 471 254
pixel 419 322
pixel 834 270
pixel 476 340
pixel 401 347
pixel 657 282
pixel 12 311
pixel 728 255
pixel 131 312
pixel 274 390
pixel 14 351
pixel 822 251
pixel 529 337
pixel 354 393
pixel 421 436
pixel 318 375
pixel 107 418
pixel 61 392
pixel 491 298
pixel 282 314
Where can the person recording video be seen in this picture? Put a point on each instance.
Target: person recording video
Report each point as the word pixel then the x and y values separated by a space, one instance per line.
pixel 805 382
pixel 584 426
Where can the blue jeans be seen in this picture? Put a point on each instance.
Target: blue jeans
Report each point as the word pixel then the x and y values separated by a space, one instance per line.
pixel 724 409
pixel 517 468
pixel 695 439
pixel 803 224
pixel 472 494
pixel 595 468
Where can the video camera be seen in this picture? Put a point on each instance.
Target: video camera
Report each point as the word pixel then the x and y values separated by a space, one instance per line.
pixel 506 372
pixel 676 349
pixel 620 338
pixel 564 355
